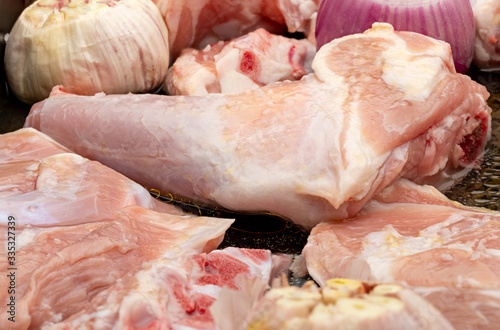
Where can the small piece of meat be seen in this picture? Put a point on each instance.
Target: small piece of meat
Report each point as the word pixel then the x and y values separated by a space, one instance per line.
pixel 175 293
pixel 72 227
pixel 414 235
pixel 487 45
pixel 310 150
pixel 198 23
pixel 248 62
pixel 342 304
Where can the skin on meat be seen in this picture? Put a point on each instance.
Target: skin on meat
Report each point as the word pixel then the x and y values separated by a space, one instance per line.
pixel 310 150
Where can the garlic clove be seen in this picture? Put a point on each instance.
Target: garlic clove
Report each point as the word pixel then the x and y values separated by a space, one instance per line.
pixel 346 285
pixel 360 308
pixel 344 304
pixel 386 289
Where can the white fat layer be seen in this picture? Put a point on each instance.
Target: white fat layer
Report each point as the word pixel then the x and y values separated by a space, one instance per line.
pixel 139 195
pixel 182 327
pixel 382 248
pixel 403 68
pixel 306 7
pixel 493 252
pixel 54 184
pixel 207 289
pixel 200 80
pixel 25 237
pixel 360 159
pixel 199 77
pixel 415 75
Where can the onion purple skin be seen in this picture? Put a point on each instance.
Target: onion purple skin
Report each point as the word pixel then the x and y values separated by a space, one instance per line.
pixel 448 20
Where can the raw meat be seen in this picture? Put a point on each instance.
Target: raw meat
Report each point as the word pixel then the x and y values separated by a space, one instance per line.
pixel 251 61
pixel 487 46
pixel 41 180
pixel 26 145
pixel 379 106
pixel 197 23
pixel 73 227
pixel 175 293
pixel 414 235
pixel 340 304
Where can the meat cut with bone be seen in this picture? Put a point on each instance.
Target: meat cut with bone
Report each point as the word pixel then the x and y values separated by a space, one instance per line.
pixel 379 106
pixel 248 62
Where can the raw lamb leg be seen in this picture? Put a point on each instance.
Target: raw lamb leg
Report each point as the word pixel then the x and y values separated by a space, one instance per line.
pixel 251 61
pixel 72 227
pixel 414 235
pixel 379 106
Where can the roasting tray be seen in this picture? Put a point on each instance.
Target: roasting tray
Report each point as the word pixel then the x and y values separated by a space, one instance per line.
pixel 481 187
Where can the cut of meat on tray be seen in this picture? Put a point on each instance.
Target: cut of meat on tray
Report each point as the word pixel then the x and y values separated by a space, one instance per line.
pixel 339 304
pixel 248 62
pixel 309 150
pixel 414 235
pixel 45 185
pixel 59 270
pixel 175 293
pixel 197 23
pixel 77 227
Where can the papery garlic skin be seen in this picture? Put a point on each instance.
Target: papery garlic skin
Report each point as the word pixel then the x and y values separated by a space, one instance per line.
pixel 88 46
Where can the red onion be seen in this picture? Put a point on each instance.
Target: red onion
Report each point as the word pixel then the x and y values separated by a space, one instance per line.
pixel 448 20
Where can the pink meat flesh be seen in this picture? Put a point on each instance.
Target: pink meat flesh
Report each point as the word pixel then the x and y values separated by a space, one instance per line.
pixel 79 228
pixel 41 180
pixel 310 150
pixel 248 62
pixel 175 293
pixel 410 234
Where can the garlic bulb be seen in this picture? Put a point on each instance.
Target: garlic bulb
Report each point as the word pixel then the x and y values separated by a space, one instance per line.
pixel 87 46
